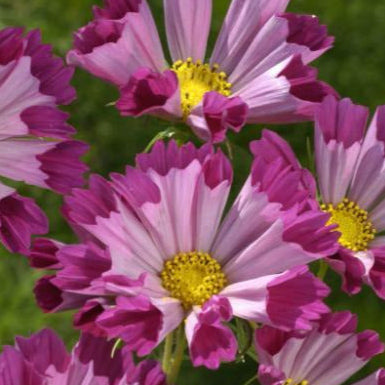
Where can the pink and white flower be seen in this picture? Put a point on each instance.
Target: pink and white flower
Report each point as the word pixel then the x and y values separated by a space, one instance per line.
pixel 328 354
pixel 156 252
pixel 350 163
pixel 257 73
pixel 42 359
pixel 35 144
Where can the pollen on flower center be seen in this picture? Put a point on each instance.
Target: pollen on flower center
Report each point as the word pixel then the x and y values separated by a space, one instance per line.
pixel 192 278
pixel 195 79
pixel 353 224
pixel 290 381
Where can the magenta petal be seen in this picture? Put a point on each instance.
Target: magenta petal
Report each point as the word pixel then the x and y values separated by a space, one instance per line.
pixel 210 342
pixel 15 370
pixel 62 165
pixel 163 158
pixel 295 299
pixel 351 269
pixel 20 218
pixel 96 34
pixel 52 299
pixel 47 121
pixel 122 39
pixel 43 254
pixel 11 44
pixel 342 322
pixel 85 318
pixel 84 206
pixel 148 372
pixel 33 82
pixel 42 359
pixel 148 92
pixel 116 9
pixel 81 264
pixel 309 229
pixel 377 273
pixel 211 345
pixel 270 375
pixel 217 114
pixel 135 187
pixel 305 86
pixel 136 321
pixel 216 309
pixel 217 169
pixel 272 340
pixel 98 351
pixel 369 345
pixel 53 75
pixel 341 121
pixel 44 349
pixel 272 147
pixel 306 30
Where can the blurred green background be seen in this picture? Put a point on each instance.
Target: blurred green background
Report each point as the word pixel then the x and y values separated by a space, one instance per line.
pixel 355 67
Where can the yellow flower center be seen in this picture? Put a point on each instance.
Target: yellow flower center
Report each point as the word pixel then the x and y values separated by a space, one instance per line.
pixel 290 381
pixel 192 278
pixel 195 79
pixel 353 224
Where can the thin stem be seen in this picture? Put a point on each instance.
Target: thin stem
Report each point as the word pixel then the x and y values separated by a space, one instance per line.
pixel 172 375
pixel 115 347
pixel 310 155
pixel 229 149
pixel 167 352
pixel 251 380
pixel 323 268
pixel 168 133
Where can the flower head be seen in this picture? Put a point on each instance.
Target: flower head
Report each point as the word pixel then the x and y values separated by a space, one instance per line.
pixel 42 359
pixel 329 353
pixel 257 73
pixel 350 164
pixel 157 252
pixel 35 144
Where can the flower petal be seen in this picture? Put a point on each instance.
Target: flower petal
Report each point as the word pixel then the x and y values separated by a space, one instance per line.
pixel 187 27
pixel 216 115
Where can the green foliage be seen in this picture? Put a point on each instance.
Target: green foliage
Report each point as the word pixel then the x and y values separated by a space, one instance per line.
pixel 355 67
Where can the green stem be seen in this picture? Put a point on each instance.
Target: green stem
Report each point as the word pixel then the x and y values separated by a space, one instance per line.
pixel 177 360
pixel 168 133
pixel 323 268
pixel 229 149
pixel 251 380
pixel 115 347
pixel 167 352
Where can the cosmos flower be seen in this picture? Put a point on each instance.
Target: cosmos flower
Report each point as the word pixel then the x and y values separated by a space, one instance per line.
pixel 351 181
pixel 329 354
pixel 350 162
pixel 257 72
pixel 42 359
pixel 156 252
pixel 34 137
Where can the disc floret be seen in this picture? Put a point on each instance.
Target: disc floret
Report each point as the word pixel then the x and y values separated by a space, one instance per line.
pixel 353 223
pixel 193 278
pixel 197 78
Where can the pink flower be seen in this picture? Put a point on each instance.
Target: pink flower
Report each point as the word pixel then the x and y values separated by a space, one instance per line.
pixel 32 85
pixel 157 252
pixel 257 73
pixel 328 354
pixel 42 359
pixel 350 167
